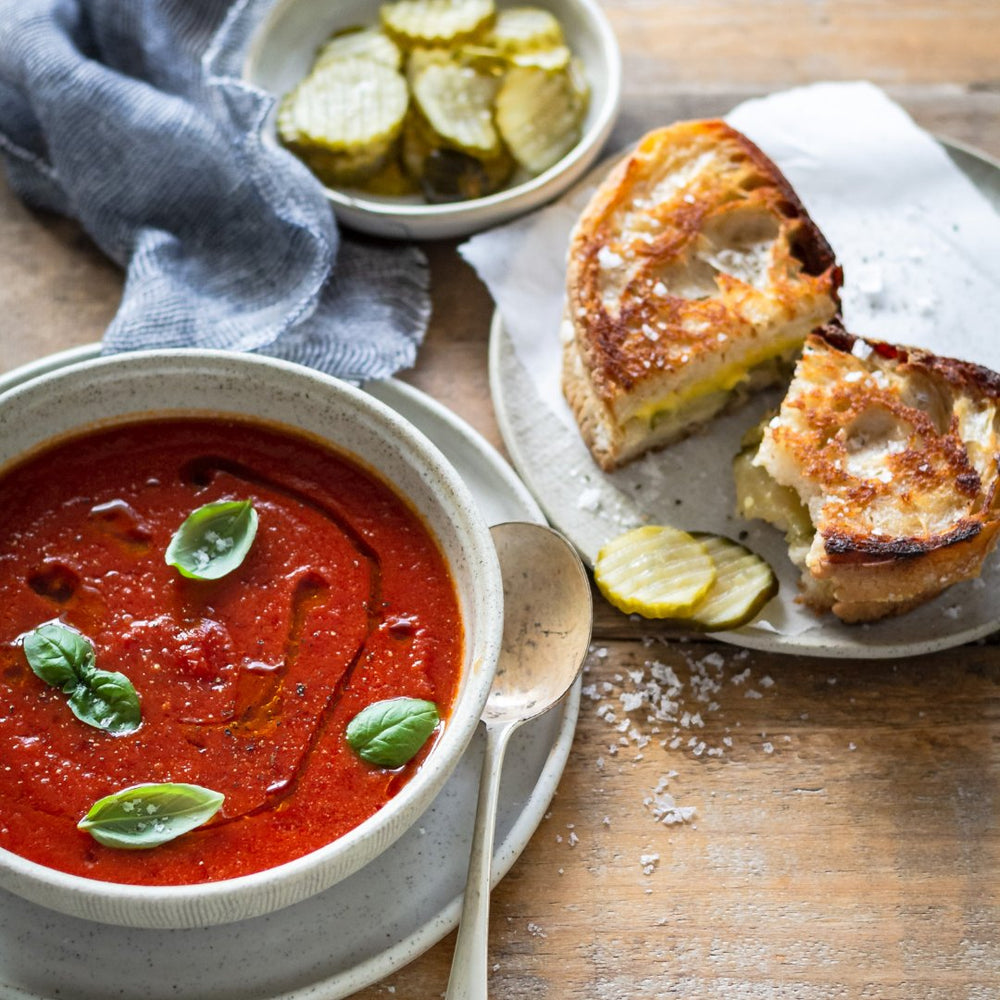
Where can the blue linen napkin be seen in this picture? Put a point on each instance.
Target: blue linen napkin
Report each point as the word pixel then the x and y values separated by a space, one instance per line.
pixel 130 116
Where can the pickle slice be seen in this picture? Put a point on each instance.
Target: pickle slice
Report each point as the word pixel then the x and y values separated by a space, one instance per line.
pixel 482 59
pixel 418 59
pixel 539 115
pixel 550 60
pixel 655 571
pixel 457 103
pixel 360 43
pixel 391 181
pixel 347 106
pixel 744 583
pixel 436 22
pixel 337 169
pixel 525 29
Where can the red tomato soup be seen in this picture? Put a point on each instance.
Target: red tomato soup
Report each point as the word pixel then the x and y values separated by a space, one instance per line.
pixel 246 683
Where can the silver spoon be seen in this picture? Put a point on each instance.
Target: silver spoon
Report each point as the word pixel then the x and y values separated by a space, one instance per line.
pixel 547 621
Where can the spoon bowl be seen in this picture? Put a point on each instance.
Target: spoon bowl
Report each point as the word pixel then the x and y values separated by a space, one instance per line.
pixel 547 622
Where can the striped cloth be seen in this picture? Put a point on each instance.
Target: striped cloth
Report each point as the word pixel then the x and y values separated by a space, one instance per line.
pixel 129 115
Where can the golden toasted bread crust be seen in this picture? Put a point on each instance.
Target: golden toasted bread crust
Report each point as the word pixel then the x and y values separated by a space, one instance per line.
pixel 895 451
pixel 694 260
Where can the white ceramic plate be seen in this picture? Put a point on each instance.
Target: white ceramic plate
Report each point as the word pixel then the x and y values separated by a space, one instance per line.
pixel 361 929
pixel 588 506
pixel 283 48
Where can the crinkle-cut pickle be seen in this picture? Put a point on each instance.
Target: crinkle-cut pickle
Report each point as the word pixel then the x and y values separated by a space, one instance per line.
pixel 360 43
pixel 436 22
pixel 744 583
pixel 457 103
pixel 346 106
pixel 412 104
pixel 703 580
pixel 538 114
pixel 656 571
pixel 525 29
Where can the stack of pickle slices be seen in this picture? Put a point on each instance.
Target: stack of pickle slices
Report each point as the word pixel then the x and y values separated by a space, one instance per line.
pixel 453 99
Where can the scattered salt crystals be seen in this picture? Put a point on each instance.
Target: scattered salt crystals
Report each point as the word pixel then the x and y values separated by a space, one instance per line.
pixel 589 500
pixel 535 931
pixel 606 821
pixel 767 747
pixel 654 699
pixel 649 863
pixel 573 839
pixel 659 289
pixel 608 259
pixel 666 810
pixel 860 349
pixel 852 746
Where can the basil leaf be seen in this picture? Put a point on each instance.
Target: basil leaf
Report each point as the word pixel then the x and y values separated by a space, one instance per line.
pixel 144 816
pixel 389 733
pixel 213 540
pixel 58 654
pixel 64 658
pixel 107 701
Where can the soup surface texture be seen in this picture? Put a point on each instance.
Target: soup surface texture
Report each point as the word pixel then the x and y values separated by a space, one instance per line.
pixel 246 683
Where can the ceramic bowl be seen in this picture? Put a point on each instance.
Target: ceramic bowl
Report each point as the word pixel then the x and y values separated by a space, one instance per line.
pixel 281 53
pixel 198 382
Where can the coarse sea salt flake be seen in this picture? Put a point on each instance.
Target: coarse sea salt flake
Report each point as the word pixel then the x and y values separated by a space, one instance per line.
pixel 608 259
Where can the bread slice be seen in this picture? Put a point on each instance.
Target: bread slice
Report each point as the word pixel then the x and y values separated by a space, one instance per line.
pixel 694 275
pixel 893 452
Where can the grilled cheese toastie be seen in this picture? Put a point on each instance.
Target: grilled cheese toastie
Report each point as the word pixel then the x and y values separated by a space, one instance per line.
pixel 694 275
pixel 881 466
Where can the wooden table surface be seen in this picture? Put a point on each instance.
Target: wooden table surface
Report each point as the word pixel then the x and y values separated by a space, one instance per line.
pixel 842 837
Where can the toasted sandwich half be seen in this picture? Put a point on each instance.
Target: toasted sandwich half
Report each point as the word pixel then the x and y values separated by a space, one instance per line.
pixel 881 466
pixel 694 275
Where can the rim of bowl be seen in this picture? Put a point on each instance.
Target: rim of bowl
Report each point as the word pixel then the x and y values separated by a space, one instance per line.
pixel 566 169
pixel 198 904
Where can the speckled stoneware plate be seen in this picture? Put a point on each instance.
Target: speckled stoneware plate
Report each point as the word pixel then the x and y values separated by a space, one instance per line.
pixel 589 507
pixel 361 929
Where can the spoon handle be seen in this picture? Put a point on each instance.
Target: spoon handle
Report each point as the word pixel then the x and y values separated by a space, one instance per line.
pixel 467 980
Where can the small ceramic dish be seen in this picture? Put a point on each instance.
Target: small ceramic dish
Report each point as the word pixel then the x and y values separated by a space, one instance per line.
pixel 199 383
pixel 284 46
